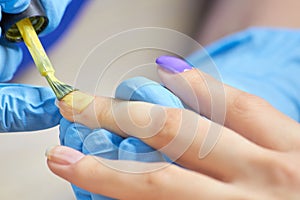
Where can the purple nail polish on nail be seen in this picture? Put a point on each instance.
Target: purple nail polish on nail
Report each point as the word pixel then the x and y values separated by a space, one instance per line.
pixel 173 64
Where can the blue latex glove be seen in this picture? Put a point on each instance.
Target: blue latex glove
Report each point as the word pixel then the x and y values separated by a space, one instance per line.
pixel 10 55
pixel 29 108
pixel 261 61
pixel 26 108
pixel 79 137
pixel 102 143
pixel 13 6
pixel 55 10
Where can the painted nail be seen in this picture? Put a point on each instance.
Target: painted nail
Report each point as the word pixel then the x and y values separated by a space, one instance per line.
pixel 78 100
pixel 173 64
pixel 63 155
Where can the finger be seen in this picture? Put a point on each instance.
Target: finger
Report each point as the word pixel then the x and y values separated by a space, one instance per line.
pixel 63 127
pixel 73 134
pixel 192 141
pixel 246 114
pixel 27 108
pixel 150 180
pixel 11 57
pixel 134 149
pixel 14 6
pixel 142 89
pixel 102 143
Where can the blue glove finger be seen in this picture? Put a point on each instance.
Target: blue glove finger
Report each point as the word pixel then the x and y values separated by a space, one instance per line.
pixel 10 59
pixel 27 108
pixel 63 127
pixel 143 89
pixel 81 194
pixel 55 10
pixel 102 143
pixel 134 149
pixel 73 134
pixel 14 6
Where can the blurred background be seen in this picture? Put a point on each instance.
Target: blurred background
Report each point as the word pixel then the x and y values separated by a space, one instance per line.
pixel 24 174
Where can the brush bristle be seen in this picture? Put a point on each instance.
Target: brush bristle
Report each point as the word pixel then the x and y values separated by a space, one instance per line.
pixel 59 88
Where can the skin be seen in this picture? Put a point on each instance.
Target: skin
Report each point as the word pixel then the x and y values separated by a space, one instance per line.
pixel 261 163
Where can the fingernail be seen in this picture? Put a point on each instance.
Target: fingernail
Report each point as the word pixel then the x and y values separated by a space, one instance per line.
pixel 63 155
pixel 173 64
pixel 78 100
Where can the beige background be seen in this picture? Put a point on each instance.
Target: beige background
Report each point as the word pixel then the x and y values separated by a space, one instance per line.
pixel 24 174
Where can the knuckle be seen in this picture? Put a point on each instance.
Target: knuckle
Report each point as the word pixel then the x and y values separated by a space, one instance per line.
pixel 86 167
pixel 247 103
pixel 284 170
pixel 160 179
pixel 279 169
pixel 275 172
pixel 195 78
pixel 170 127
pixel 152 179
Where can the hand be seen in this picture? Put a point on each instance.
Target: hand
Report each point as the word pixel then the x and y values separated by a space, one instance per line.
pixel 11 55
pixel 257 148
pixel 27 108
pixel 105 144
pixel 21 105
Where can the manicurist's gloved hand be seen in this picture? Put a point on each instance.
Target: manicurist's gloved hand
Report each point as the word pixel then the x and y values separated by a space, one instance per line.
pixel 27 108
pixel 24 107
pixel 11 55
pixel 105 144
pixel 261 61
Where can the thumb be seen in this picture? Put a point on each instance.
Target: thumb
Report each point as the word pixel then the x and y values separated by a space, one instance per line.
pixel 101 176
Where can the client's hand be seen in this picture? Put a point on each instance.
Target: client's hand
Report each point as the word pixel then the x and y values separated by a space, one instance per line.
pixel 253 155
